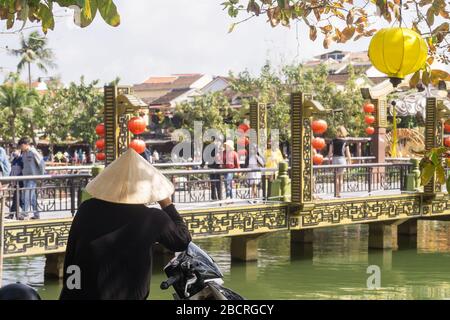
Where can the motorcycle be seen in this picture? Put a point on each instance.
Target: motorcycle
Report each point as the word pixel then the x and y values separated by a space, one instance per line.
pixel 194 275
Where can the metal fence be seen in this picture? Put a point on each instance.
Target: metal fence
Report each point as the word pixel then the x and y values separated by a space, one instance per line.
pixel 27 196
pixel 61 193
pixel 204 185
pixel 336 179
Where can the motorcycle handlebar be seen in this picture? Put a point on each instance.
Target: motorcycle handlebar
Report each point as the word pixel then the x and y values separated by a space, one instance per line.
pixel 169 282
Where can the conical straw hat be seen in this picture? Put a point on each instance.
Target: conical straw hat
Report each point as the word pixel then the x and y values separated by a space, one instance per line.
pixel 130 179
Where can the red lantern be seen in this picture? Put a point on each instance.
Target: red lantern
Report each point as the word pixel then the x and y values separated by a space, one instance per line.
pixel 318 159
pixel 242 152
pixel 318 143
pixel 319 126
pixel 243 141
pixel 447 141
pixel 369 108
pixel 447 127
pixel 136 125
pixel 100 129
pixel 138 145
pixel 369 119
pixel 100 156
pixel 370 130
pixel 100 144
pixel 244 127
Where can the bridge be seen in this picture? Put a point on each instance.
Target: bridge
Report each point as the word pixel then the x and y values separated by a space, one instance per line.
pixel 385 194
pixel 369 196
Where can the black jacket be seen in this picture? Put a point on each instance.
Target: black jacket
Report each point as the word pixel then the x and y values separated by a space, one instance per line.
pixel 112 245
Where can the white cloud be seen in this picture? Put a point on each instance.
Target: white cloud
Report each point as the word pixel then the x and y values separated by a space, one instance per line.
pixel 176 36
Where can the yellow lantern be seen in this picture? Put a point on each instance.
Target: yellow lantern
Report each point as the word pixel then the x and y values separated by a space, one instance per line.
pixel 397 52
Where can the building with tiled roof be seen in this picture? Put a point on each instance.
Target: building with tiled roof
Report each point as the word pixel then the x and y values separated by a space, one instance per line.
pixel 338 63
pixel 156 87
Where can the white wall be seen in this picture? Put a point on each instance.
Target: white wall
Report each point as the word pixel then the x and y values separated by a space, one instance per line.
pixel 200 83
pixel 217 84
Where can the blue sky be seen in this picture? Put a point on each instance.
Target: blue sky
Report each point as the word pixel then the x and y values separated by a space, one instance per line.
pixel 164 37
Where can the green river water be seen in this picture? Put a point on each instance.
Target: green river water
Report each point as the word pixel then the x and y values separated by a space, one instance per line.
pixel 338 269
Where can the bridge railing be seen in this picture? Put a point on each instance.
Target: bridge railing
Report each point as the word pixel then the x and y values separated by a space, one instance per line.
pixel 61 193
pixel 365 178
pixel 205 185
pixel 26 195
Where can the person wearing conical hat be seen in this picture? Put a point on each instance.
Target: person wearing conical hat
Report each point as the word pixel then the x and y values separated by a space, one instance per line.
pixel 111 237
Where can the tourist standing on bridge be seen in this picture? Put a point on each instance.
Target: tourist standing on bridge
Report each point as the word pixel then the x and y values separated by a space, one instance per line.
pixel 216 184
pixel 16 170
pixel 273 157
pixel 339 153
pixel 5 166
pixel 112 235
pixel 230 160
pixel 33 165
pixel 254 160
pixel 147 155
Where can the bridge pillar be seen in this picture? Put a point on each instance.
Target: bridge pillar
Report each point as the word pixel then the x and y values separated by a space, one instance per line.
pixel 54 265
pixel 302 243
pixel 244 248
pixel 382 236
pixel 409 227
pixel 407 234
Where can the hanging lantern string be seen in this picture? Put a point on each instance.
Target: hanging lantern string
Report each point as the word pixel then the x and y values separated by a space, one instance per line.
pixel 400 13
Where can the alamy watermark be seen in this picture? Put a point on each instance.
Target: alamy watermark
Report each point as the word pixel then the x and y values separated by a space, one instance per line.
pixel 192 148
pixel 73 281
pixel 374 280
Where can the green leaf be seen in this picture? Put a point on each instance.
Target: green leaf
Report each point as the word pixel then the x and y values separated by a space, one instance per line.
pixel 414 80
pixel 440 174
pixel 109 13
pixel 427 173
pixel 430 16
pixel 46 17
pixel 439 151
pixel 85 18
pixel 435 158
pixel 10 22
pixel 426 78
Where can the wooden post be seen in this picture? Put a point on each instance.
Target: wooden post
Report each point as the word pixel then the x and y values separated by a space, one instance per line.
pixel 379 138
pixel 359 151
pixel 301 150
pixel 258 122
pixel 119 104
pixel 433 138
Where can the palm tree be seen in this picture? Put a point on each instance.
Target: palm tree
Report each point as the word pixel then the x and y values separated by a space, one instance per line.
pixel 34 51
pixel 15 100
